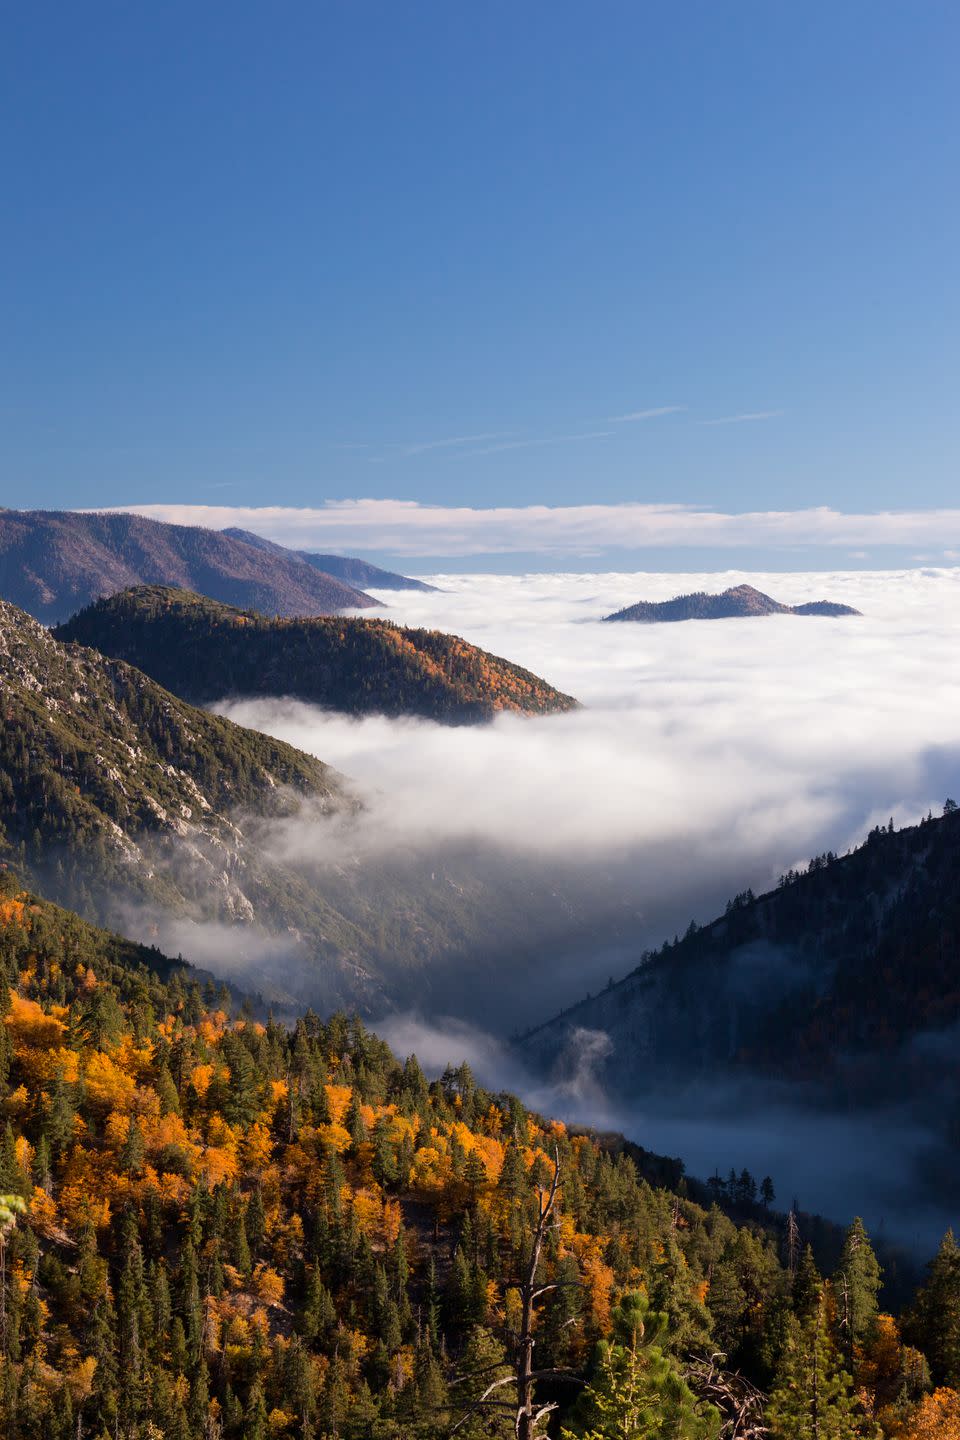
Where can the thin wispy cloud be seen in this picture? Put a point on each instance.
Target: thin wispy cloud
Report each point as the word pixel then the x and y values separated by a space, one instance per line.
pixel 653 414
pixel 409 529
pixel 421 446
pixel 744 419
pixel 504 440
pixel 543 440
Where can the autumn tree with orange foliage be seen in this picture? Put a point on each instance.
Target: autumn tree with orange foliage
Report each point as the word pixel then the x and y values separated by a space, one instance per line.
pixel 225 1227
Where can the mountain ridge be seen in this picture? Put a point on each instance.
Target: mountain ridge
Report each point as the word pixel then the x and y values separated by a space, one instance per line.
pixel 343 567
pixel 206 651
pixel 785 983
pixel 53 562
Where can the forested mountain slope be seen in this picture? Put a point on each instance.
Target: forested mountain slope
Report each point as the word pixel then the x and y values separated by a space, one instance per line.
pixel 103 773
pixel 54 561
pixel 355 572
pixel 136 808
pixel 855 956
pixel 216 1227
pixel 739 601
pixel 205 651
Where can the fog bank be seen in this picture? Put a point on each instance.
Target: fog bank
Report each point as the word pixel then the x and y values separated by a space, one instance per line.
pixel 709 755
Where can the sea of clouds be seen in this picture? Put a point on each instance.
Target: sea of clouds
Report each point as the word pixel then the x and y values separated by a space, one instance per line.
pixel 708 756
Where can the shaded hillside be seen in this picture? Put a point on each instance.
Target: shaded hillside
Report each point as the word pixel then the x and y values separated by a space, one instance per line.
pixel 355 572
pixel 140 810
pixel 205 652
pixel 737 601
pixel 219 1227
pixel 845 964
pixel 57 937
pixel 53 562
pixel 99 766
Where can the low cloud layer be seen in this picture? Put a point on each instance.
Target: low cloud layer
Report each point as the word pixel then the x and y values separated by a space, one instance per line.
pixel 886 1164
pixel 408 529
pixel 708 756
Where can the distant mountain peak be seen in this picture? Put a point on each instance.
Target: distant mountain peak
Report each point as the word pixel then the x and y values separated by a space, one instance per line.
pixel 53 562
pixel 738 601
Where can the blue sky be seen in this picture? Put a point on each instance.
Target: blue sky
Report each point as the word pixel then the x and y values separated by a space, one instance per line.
pixel 287 254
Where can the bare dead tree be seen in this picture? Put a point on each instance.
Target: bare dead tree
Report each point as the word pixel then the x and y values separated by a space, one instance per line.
pixel 793 1243
pixel 845 1318
pixel 524 1377
pixel 740 1403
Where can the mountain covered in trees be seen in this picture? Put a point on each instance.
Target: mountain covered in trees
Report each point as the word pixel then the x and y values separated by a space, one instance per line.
pixel 136 808
pixel 212 1226
pixel 359 573
pixel 111 785
pixel 846 973
pixel 206 651
pixel 739 601
pixel 52 562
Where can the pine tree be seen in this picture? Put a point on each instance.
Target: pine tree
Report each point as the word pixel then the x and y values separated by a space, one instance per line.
pixel 384 1162
pixel 199 1402
pixel 133 1154
pixel 636 1392
pixel 318 1317
pixel 430 1390
pixel 356 1124
pixel 856 1287
pixel 256 1223
pixel 160 1299
pixel 239 1244
pixel 813 1397
pixel 934 1322
pixel 167 1092
pixel 58 1117
pixel 807 1285
pixel 255 1414
pixel 298 1384
pixel 483 1361
pixel 474 1176
pixel 132 1319
pixel 335 1402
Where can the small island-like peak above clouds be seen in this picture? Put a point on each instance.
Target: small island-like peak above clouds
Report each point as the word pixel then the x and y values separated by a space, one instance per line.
pixel 737 602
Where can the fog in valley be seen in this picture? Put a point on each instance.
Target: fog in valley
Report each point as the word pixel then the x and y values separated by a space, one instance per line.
pixel 708 757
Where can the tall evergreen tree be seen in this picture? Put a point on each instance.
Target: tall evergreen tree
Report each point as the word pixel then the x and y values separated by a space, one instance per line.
pixel 856 1287
pixel 813 1396
pixel 934 1322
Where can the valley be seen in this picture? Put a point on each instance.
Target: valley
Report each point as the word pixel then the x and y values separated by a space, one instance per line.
pixel 436 878
pixel 453 893
pixel 448 989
